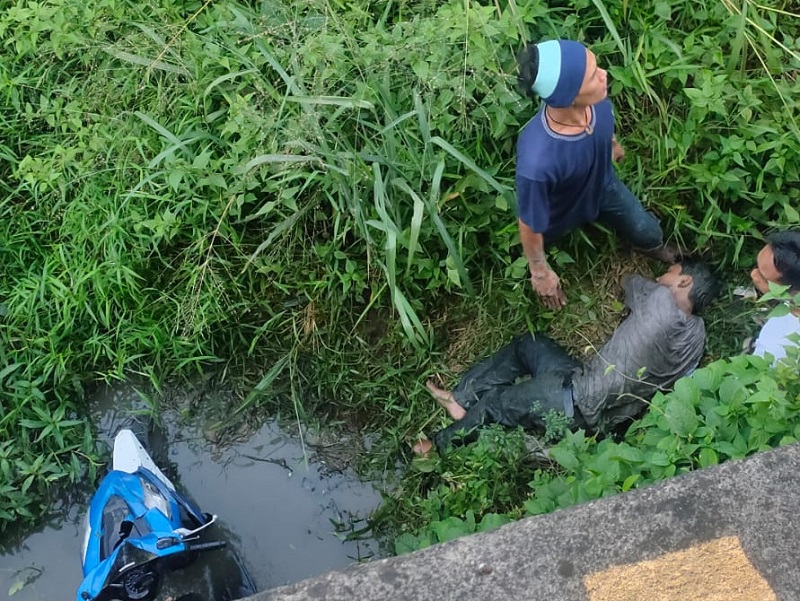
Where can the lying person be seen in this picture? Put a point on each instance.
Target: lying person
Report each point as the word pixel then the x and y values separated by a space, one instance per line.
pixel 660 340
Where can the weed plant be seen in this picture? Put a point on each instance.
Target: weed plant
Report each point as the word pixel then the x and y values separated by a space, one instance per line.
pixel 325 190
pixel 729 409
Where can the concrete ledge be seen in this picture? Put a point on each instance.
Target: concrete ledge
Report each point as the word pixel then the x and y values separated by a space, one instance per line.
pixel 548 557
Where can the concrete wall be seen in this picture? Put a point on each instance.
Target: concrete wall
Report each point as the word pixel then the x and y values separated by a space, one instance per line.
pixel 743 516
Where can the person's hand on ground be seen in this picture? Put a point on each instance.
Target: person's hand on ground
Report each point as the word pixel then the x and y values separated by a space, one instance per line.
pixel 547 285
pixel 422 448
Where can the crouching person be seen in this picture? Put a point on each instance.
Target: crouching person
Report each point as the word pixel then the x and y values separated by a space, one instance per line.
pixel 661 339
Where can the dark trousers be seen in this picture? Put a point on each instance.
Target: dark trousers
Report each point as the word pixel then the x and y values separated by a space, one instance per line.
pixel 623 212
pixel 491 393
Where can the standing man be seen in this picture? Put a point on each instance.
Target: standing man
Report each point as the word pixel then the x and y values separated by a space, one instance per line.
pixel 565 177
pixel 778 262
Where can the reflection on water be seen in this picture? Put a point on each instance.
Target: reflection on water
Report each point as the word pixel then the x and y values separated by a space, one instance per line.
pixel 281 513
pixel 48 560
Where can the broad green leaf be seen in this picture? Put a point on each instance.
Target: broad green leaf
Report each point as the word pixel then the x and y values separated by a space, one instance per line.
pixel 708 457
pixel 565 457
pixel 451 528
pixel 630 481
pixel 658 458
pixel 492 520
pixel 663 10
pixel 407 542
pixel 709 377
pixel 627 453
pixel 538 506
pixel 425 465
pixel 681 416
pixel 686 390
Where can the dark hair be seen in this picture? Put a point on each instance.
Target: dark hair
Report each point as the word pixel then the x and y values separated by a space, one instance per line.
pixel 527 70
pixel 705 283
pixel 786 254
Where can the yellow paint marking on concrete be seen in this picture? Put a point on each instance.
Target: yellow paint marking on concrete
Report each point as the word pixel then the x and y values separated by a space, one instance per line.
pixel 714 571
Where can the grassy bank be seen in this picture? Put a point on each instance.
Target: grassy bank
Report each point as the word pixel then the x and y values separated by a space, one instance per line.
pixel 325 190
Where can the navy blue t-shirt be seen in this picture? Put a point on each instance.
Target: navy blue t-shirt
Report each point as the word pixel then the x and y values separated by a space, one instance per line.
pixel 561 178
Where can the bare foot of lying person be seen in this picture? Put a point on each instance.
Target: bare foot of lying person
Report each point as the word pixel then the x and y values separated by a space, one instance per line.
pixel 422 448
pixel 446 400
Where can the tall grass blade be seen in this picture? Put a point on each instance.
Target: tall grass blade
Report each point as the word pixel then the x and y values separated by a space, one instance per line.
pixel 412 326
pixel 413 237
pixel 263 385
pixel 387 225
pixel 135 59
pixel 227 77
pixel 278 230
pixel 332 101
pixel 164 132
pixel 612 29
pixel 505 191
pixel 265 159
pixel 422 118
pixel 395 122
pixel 433 211
pixel 151 33
pixel 170 150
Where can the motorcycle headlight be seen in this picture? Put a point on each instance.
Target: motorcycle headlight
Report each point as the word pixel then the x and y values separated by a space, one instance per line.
pixel 153 499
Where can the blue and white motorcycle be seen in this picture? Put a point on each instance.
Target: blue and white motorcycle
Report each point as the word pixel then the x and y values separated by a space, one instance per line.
pixel 139 529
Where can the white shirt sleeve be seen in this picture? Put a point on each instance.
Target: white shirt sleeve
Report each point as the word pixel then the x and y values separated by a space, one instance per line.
pixel 776 335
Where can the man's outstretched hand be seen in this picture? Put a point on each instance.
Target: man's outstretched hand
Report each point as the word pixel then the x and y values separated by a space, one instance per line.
pixel 547 285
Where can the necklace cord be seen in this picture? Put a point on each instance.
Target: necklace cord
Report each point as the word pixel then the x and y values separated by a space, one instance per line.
pixel 587 127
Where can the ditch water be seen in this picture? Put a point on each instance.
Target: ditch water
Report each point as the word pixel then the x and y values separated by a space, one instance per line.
pixel 283 508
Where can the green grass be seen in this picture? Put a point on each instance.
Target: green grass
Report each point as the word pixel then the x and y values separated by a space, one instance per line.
pixel 317 198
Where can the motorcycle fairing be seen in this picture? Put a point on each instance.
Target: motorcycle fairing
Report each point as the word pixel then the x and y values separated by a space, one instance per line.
pixel 129 554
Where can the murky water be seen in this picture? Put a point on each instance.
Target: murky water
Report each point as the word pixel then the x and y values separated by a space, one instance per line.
pixel 283 512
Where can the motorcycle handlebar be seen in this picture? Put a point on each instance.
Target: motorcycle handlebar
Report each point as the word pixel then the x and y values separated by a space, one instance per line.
pixel 209 546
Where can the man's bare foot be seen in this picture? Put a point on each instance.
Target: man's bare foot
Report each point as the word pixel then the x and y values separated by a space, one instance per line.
pixel 439 394
pixel 446 400
pixel 422 448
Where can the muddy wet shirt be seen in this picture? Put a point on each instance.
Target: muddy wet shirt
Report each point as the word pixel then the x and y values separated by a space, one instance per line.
pixel 656 336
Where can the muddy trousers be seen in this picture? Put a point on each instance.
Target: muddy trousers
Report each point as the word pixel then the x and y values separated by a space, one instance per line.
pixel 492 392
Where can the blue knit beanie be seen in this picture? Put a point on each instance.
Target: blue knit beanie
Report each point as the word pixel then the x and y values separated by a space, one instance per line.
pixel 562 67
